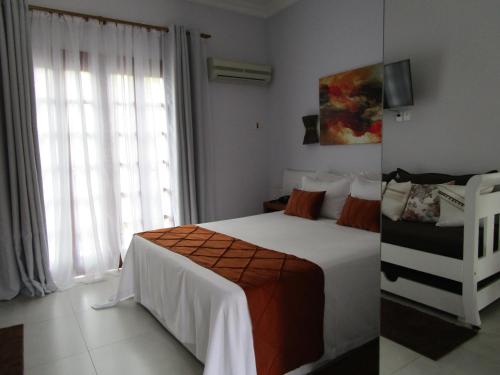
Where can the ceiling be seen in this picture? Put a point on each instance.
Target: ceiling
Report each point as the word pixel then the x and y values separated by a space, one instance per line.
pixel 259 8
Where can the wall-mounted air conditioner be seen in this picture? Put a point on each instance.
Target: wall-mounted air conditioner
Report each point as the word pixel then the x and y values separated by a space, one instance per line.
pixel 236 71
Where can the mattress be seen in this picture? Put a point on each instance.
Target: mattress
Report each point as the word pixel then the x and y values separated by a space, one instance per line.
pixel 393 271
pixel 209 313
pixel 427 237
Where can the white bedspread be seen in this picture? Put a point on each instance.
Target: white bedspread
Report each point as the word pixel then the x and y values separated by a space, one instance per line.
pixel 209 313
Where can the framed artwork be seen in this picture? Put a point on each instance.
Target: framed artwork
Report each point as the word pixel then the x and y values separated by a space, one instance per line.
pixel 351 106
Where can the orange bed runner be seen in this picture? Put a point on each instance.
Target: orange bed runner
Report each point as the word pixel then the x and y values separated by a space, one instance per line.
pixel 285 294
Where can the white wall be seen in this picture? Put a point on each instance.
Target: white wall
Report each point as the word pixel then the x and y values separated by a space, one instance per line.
pixel 454 46
pixel 309 40
pixel 239 148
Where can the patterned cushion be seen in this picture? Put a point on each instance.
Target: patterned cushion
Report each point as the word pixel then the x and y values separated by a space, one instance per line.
pixel 423 204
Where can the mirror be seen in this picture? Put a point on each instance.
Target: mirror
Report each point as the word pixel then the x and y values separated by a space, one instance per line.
pixel 440 275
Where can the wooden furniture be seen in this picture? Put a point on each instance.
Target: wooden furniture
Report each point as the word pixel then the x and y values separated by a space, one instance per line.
pixel 274 205
pixel 472 269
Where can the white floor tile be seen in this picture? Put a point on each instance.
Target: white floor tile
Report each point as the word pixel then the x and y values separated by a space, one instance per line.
pixel 61 328
pixel 80 364
pixel 10 314
pixel 52 306
pixel 478 356
pixel 485 344
pixel 127 319
pixel 394 356
pixel 31 310
pixel 490 318
pixel 153 353
pixel 424 366
pixel 52 340
pixel 84 296
pixel 482 368
pixel 466 362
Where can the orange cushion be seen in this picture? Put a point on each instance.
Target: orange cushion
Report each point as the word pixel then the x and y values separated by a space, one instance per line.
pixel 361 214
pixel 306 204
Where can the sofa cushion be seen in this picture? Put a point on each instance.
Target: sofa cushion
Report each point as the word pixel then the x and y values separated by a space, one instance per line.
pixel 389 176
pixel 433 178
pixel 445 241
pixel 422 204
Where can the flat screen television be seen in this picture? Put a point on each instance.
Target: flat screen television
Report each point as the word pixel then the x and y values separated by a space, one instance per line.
pixel 398 90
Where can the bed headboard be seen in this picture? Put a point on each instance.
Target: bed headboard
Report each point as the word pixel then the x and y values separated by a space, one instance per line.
pixel 292 178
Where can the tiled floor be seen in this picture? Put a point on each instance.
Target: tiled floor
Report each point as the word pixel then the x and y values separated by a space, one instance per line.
pixel 64 335
pixel 478 356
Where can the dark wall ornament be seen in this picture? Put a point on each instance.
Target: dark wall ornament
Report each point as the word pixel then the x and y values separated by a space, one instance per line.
pixel 311 125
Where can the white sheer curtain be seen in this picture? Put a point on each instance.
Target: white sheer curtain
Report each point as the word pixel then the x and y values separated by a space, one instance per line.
pixel 106 140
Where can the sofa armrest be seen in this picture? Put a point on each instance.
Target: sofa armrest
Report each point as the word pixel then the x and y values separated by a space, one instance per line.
pixel 480 205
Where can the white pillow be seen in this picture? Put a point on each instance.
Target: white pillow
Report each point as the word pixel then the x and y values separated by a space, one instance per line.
pixel 292 178
pixel 395 198
pixel 371 175
pixel 330 176
pixel 452 205
pixel 366 189
pixel 336 194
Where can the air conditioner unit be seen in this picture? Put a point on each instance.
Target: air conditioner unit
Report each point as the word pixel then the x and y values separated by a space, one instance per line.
pixel 236 71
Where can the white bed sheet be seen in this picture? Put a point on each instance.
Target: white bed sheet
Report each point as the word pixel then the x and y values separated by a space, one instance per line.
pixel 209 314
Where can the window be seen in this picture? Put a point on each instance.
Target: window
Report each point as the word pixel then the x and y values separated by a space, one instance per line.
pixel 106 148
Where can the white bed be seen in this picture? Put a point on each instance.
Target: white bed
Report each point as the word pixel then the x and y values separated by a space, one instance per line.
pixel 209 313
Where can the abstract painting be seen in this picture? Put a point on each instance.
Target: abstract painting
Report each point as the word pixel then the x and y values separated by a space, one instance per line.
pixel 351 106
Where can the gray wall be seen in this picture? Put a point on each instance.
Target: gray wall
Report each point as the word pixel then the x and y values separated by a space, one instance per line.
pixel 454 46
pixel 309 40
pixel 239 148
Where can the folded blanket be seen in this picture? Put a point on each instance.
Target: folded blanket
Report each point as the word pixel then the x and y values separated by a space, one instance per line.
pixel 285 294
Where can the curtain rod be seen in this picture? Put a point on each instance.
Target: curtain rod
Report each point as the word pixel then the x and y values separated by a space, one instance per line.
pixel 105 19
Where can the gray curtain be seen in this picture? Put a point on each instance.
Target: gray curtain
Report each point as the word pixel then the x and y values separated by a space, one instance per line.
pixel 192 115
pixel 23 240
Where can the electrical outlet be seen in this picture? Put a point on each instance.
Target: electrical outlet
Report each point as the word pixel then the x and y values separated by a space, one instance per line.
pixel 403 116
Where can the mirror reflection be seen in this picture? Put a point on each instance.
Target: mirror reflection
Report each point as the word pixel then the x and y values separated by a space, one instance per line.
pixel 440 255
